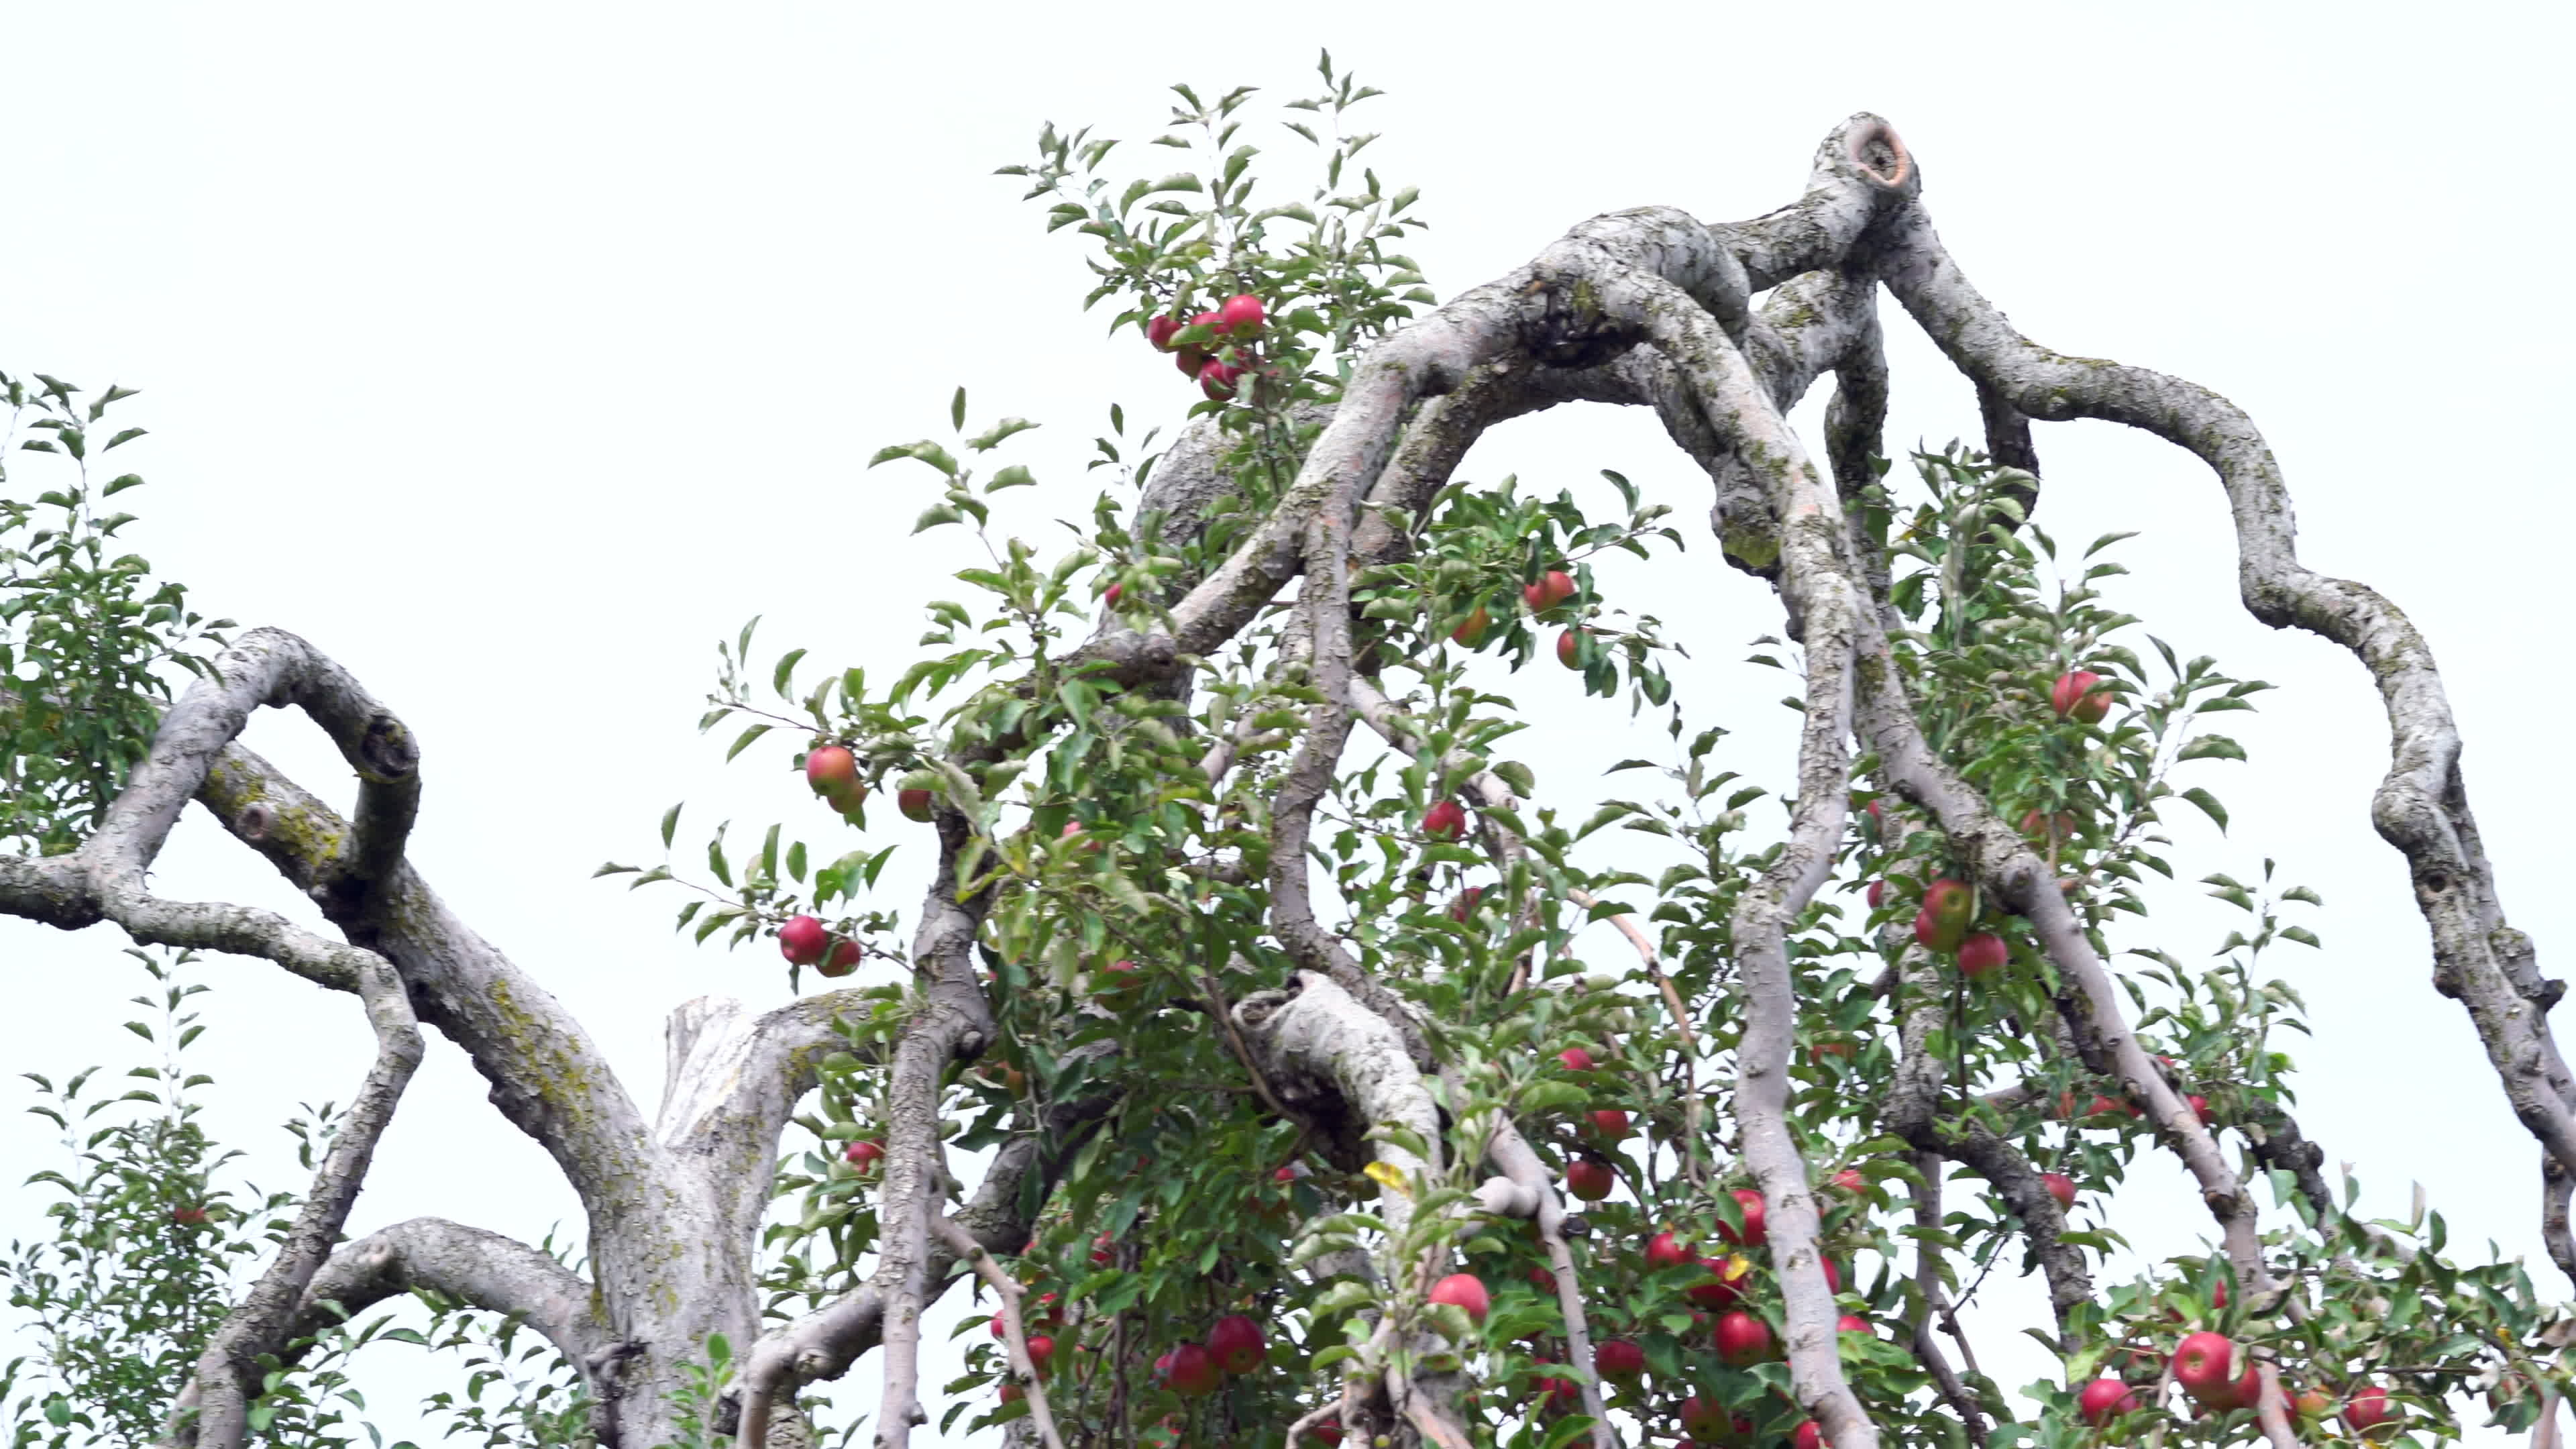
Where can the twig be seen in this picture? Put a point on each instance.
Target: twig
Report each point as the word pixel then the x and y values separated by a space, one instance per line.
pixel 1014 1331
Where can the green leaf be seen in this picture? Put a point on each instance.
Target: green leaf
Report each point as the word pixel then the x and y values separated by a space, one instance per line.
pixel 957 410
pixel 2208 804
pixel 670 823
pixel 987 440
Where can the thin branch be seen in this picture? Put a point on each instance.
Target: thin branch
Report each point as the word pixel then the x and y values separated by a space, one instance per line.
pixel 1014 1328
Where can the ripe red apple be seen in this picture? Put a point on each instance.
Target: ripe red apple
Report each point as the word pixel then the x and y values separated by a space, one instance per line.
pixel 2205 1366
pixel 2199 1108
pixel 1569 648
pixel 2060 1187
pixel 1112 594
pixel 188 1217
pixel 1285 1174
pixel 1849 1180
pixel 832 771
pixel 1877 894
pixel 1611 1123
pixel 1553 588
pixel 1189 360
pixel 1981 953
pixel 1446 820
pixel 1556 1396
pixel 1741 1338
pixel 1576 1059
pixel 2367 1409
pixel 1217 379
pixel 1103 1251
pixel 803 940
pixel 1236 1342
pixel 1663 1250
pixel 1617 1358
pixel 2080 694
pixel 1465 906
pixel 1191 1370
pixel 1589 1179
pixel 1041 1348
pixel 2106 1106
pixel 864 1156
pixel 1117 976
pixel 1852 1323
pixel 915 804
pixel 843 960
pixel 1161 330
pixel 1011 1393
pixel 1833 1275
pixel 2104 1400
pixel 1542 1280
pixel 1753 1235
pixel 1241 315
pixel 1725 1283
pixel 1823 1049
pixel 1209 320
pixel 2313 1402
pixel 1810 1435
pixel 1472 630
pixel 1466 1290
pixel 1327 1435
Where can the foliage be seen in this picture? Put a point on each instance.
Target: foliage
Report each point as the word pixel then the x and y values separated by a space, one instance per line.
pixel 89 641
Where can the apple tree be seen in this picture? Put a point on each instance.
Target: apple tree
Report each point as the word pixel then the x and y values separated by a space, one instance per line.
pixel 1239 1067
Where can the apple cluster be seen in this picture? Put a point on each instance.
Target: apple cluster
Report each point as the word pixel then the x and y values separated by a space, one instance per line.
pixel 1215 348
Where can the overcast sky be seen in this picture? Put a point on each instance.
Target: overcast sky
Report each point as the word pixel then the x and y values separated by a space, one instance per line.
pixel 514 354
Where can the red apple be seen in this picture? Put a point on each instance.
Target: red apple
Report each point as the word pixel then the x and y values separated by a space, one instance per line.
pixel 1217 379
pixel 1112 594
pixel 1810 1435
pixel 1877 894
pixel 1982 953
pixel 1011 1393
pixel 1753 1235
pixel 1103 1251
pixel 995 1325
pixel 1466 1290
pixel 1117 976
pixel 1236 1342
pixel 832 771
pixel 1041 1348
pixel 1240 316
pixel 803 940
pixel 1542 1280
pixel 1209 320
pixel 915 804
pixel 1576 1059
pixel 1471 631
pixel 1853 1323
pixel 1327 1435
pixel 864 1155
pixel 843 960
pixel 1849 1180
pixel 2199 1108
pixel 1465 906
pixel 2046 829
pixel 1833 1275
pixel 1823 1049
pixel 188 1217
pixel 2060 1187
pixel 1553 588
pixel 2080 694
pixel 1189 360
pixel 1445 821
pixel 2104 1400
pixel 1663 1250
pixel 1161 330
pixel 1617 1358
pixel 2367 1409
pixel 1569 648
pixel 1741 1338
pixel 1190 1370
pixel 1589 1179
pixel 2205 1366
pixel 1725 1283
pixel 2313 1402
pixel 1612 1123
pixel 1556 1396
pixel 2105 1106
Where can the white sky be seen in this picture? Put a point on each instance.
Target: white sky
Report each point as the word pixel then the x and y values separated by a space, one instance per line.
pixel 515 354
